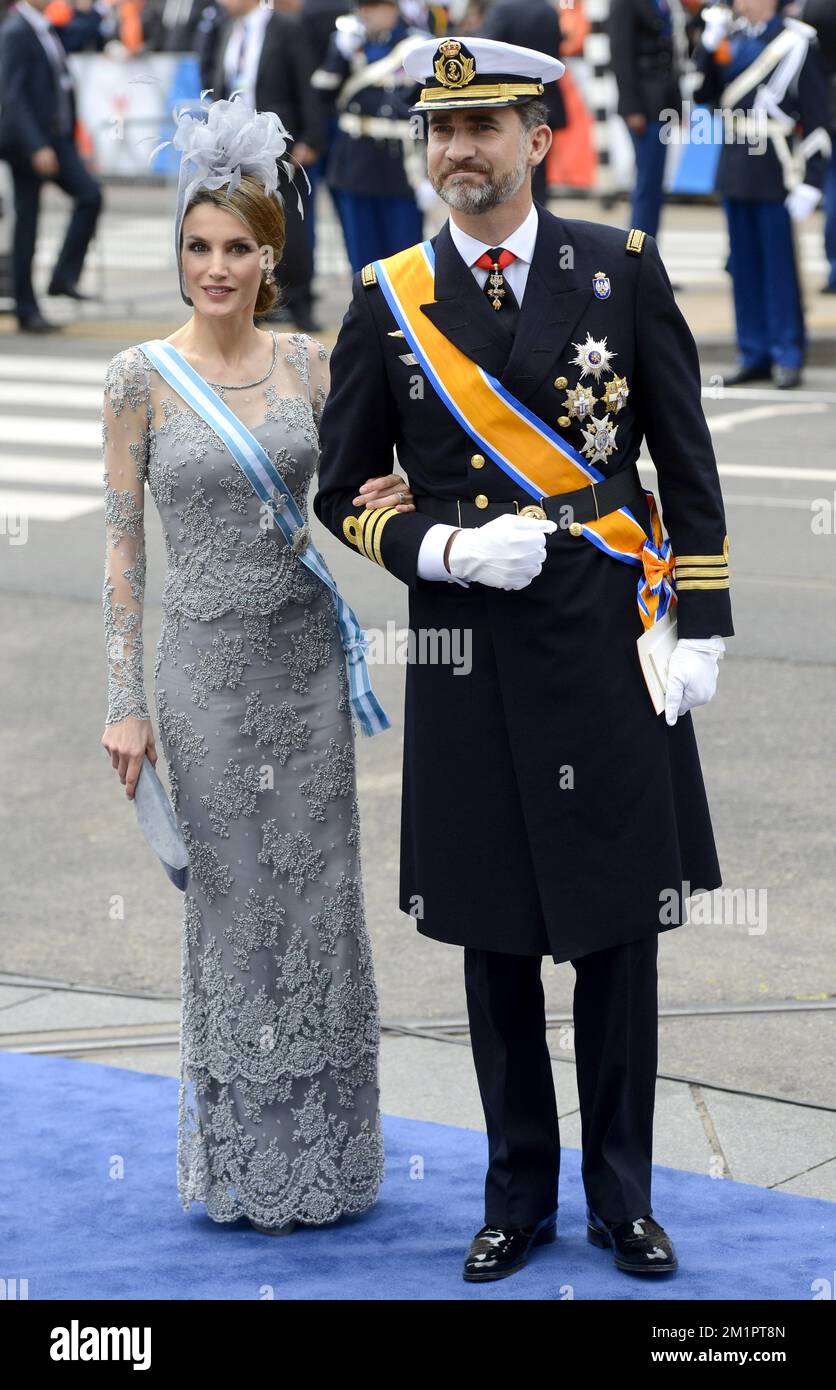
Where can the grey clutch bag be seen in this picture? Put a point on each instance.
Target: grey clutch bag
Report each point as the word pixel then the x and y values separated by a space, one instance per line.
pixel 156 819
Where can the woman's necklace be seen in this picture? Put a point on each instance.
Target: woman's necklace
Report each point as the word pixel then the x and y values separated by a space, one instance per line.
pixel 244 385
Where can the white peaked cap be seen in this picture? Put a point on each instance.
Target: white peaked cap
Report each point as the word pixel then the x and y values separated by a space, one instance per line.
pixel 461 72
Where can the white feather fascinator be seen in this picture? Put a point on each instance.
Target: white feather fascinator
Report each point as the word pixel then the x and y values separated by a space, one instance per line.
pixel 220 141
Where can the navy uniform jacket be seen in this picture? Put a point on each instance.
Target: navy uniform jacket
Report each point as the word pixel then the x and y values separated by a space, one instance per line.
pixel 747 171
pixel 643 58
pixel 495 852
pixel 29 107
pixel 373 133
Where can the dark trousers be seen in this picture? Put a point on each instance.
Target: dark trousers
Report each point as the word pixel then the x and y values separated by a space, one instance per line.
pixel 767 299
pixel 375 227
pixel 615 1034
pixel 74 179
pixel 648 189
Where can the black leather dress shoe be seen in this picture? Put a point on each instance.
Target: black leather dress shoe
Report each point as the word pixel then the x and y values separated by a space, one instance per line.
pixel 639 1246
pixel 786 378
pixel 496 1251
pixel 36 323
pixel 744 374
pixel 71 291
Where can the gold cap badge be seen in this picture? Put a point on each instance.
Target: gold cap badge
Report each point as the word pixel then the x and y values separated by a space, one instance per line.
pixel 453 67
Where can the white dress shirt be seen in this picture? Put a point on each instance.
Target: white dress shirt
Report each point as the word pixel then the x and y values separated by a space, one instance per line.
pixel 521 242
pixel 242 54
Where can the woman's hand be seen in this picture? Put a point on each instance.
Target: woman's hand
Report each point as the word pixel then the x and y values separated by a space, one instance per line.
pixel 127 743
pixel 383 492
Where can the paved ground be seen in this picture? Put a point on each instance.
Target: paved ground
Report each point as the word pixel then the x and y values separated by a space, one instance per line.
pixel 747 1055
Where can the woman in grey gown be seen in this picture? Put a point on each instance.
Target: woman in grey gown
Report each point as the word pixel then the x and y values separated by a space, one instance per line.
pixel 278 1116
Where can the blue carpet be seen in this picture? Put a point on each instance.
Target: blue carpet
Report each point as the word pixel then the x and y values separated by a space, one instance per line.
pixel 77 1232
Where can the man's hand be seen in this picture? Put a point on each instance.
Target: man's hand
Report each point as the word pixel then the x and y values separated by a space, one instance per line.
pixel 692 674
pixel 392 490
pixel 45 162
pixel 636 122
pixel 304 154
pixel 506 553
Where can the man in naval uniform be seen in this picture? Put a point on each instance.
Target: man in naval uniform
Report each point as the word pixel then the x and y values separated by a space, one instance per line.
pixel 547 808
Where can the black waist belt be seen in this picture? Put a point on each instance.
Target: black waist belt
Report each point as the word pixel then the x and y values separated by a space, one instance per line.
pixel 585 504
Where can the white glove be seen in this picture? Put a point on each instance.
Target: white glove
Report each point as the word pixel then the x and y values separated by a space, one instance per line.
pixel 348 42
pixel 506 553
pixel 801 201
pixel 692 674
pixel 717 22
pixel 425 195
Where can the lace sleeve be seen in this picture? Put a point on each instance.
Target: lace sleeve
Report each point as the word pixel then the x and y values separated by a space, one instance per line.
pixel 125 432
pixel 319 377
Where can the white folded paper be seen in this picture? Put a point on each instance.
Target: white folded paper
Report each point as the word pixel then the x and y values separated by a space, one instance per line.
pixel 656 646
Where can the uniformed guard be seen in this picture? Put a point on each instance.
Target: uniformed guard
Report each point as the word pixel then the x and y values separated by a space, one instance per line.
pixel 375 169
pixel 515 362
pixel 761 69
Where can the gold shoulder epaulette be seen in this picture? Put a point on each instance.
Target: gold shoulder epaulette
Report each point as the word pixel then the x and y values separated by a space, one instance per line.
pixel 368 276
pixel 635 241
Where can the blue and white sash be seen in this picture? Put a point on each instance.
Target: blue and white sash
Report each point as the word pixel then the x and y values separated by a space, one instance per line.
pixel 269 485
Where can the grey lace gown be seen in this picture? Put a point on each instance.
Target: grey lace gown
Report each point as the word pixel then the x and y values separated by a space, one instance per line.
pixel 279 1099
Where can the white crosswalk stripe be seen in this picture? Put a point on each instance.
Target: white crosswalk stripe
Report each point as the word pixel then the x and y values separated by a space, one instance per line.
pixel 51 435
pixel 699 258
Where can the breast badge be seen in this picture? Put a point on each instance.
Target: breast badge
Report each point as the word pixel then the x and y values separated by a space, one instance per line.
pixel 599 439
pixel 580 402
pixel 601 285
pixel 616 393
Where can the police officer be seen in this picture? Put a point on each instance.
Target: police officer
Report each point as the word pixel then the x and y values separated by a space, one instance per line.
pixel 515 362
pixel 375 166
pixel 761 68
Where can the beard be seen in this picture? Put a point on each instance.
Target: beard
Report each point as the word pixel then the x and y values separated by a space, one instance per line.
pixel 468 197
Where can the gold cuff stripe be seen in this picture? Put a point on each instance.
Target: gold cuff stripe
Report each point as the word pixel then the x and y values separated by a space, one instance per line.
pixel 351 531
pixel 500 91
pixel 364 520
pixel 373 538
pixel 702 572
pixel 701 584
pixel 702 559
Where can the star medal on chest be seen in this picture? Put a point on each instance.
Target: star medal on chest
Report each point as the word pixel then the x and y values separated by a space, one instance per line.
pixel 593 357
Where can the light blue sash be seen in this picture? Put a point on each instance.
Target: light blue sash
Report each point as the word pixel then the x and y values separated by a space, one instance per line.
pixel 269 485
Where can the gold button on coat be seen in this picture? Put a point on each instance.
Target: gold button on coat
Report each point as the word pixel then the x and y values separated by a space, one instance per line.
pixel 576 529
pixel 478 460
pixel 564 420
pixel 536 512
pixel 560 382
pixel 480 499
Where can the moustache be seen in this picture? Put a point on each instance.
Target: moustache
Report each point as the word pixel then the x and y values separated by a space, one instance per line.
pixel 468 169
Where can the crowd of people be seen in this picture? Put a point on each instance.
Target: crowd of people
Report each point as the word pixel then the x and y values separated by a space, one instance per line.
pixel 333 70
